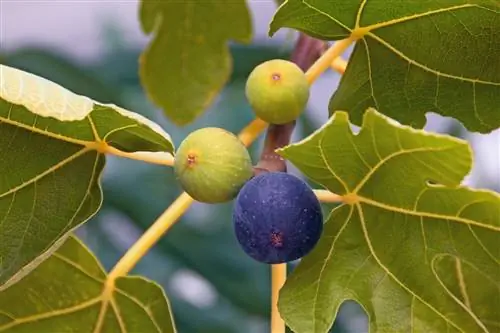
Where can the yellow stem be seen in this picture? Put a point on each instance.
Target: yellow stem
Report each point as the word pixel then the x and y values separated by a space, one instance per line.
pixel 278 277
pixel 326 60
pixel 161 158
pixel 339 65
pixel 151 236
pixel 252 131
pixel 327 196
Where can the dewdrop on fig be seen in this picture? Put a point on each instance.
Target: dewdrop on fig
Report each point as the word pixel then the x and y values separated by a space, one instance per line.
pixel 277 218
pixel 212 165
pixel 278 91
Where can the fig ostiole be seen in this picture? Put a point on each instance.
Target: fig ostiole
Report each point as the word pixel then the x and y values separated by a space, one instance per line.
pixel 277 218
pixel 278 91
pixel 212 165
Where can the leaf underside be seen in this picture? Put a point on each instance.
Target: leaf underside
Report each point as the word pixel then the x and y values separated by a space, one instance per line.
pixel 49 182
pixel 188 61
pixel 411 57
pixel 418 251
pixel 65 294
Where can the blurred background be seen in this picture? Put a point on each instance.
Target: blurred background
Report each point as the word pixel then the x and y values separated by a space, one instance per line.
pixel 92 47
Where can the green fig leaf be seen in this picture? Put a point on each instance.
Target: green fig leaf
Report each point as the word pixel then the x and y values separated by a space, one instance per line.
pixel 188 61
pixel 416 249
pixel 52 147
pixel 411 58
pixel 65 293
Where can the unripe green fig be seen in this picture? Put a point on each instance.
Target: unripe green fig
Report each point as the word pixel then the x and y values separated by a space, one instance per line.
pixel 212 165
pixel 277 90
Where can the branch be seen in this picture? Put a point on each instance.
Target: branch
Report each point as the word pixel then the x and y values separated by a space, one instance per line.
pixel 306 52
pixel 151 236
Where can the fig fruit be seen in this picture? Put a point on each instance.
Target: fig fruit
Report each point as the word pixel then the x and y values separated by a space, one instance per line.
pixel 212 165
pixel 277 218
pixel 277 90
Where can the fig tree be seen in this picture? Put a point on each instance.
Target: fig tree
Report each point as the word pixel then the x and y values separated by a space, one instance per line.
pixel 212 165
pixel 277 218
pixel 277 90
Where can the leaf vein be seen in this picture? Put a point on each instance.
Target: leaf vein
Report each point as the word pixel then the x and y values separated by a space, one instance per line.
pixel 358 153
pixel 327 15
pixel 142 306
pixel 28 225
pixel 116 310
pixel 474 104
pixel 389 273
pixel 359 13
pixel 391 156
pixel 485 249
pixel 461 283
pixel 46 172
pixel 325 264
pixel 119 129
pixel 370 77
pixel 424 240
pixel 94 129
pixel 45 132
pixel 323 156
pixel 458 301
pixel 426 214
pixel 77 267
pixel 416 16
pixel 424 67
pixel 54 313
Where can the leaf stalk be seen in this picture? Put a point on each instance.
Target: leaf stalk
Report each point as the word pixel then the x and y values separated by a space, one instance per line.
pixel 161 158
pixel 151 236
pixel 328 58
pixel 326 196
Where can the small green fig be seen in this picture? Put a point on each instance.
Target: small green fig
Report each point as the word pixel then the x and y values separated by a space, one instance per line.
pixel 277 90
pixel 212 165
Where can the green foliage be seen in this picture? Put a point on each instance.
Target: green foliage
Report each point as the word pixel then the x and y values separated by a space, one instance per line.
pixel 41 201
pixel 416 249
pixel 188 62
pixel 66 294
pixel 413 246
pixel 411 57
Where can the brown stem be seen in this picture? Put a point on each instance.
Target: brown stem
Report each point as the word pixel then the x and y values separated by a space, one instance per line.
pixel 305 53
pixel 277 136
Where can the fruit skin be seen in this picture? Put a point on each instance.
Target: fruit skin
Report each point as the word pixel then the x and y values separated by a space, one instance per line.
pixel 277 218
pixel 277 90
pixel 212 165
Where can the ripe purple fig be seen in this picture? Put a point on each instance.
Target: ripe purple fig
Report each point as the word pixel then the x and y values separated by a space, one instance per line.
pixel 277 218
